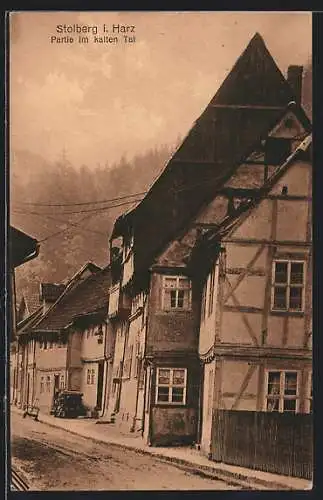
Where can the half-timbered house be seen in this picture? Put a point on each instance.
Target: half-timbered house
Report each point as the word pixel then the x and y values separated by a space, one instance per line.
pixel 255 333
pixel 73 342
pixel 250 127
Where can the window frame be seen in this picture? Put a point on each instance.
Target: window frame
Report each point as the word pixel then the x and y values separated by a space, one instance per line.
pixel 170 386
pixel 281 396
pixel 288 285
pixel 309 393
pixel 188 290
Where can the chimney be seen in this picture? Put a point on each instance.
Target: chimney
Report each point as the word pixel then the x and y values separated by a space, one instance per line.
pixel 294 78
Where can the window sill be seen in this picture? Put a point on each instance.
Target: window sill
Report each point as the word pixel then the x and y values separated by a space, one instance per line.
pixel 177 310
pixel 287 313
pixel 172 405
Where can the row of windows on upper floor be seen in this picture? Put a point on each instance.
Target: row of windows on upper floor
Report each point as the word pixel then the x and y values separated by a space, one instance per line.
pixel 287 294
pixel 287 289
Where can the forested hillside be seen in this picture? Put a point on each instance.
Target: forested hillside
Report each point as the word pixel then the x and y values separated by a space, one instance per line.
pixel 54 203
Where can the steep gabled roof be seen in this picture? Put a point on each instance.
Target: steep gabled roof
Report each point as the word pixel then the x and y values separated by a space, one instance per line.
pixel 75 281
pixel 211 238
pixel 25 326
pixel 252 98
pixel 87 297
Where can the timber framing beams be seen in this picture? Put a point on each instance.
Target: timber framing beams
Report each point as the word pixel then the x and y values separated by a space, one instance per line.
pixel 255 353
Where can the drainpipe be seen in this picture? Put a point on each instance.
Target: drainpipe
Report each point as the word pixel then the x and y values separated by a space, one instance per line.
pixel 143 365
pixel 67 381
pixel 15 392
pixel 201 396
pixel 26 388
pixel 34 370
pixel 133 427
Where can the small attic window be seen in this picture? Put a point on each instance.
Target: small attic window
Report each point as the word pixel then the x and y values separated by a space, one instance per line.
pixel 277 150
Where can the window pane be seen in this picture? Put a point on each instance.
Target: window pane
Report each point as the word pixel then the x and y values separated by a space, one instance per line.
pixel 273 383
pixel 280 301
pixel 173 295
pixel 180 298
pixel 290 405
pixel 179 377
pixel 290 384
pixel 281 272
pixel 167 299
pixel 164 376
pixel 272 404
pixel 296 272
pixel 178 395
pixel 295 298
pixel 163 394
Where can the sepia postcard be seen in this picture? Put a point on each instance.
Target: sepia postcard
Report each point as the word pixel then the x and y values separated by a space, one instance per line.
pixel 160 333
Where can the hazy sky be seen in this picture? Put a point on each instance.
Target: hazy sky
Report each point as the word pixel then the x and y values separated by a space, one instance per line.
pixel 99 101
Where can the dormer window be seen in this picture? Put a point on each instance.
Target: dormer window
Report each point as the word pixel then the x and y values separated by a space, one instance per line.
pixel 277 150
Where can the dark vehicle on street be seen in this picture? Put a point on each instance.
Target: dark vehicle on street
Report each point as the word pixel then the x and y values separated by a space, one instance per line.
pixel 69 404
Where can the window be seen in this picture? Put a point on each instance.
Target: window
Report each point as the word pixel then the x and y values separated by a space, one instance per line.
pixel 127 362
pixel 42 385
pixel 61 382
pixel 48 383
pixel 288 286
pixel 171 385
pixel 177 293
pixel 90 376
pixel 282 391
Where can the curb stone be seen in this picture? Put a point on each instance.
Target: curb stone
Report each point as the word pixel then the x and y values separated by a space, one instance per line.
pixel 232 478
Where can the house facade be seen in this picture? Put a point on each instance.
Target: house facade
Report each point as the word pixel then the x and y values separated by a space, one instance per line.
pixel 23 248
pixel 256 324
pixel 69 344
pixel 249 129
